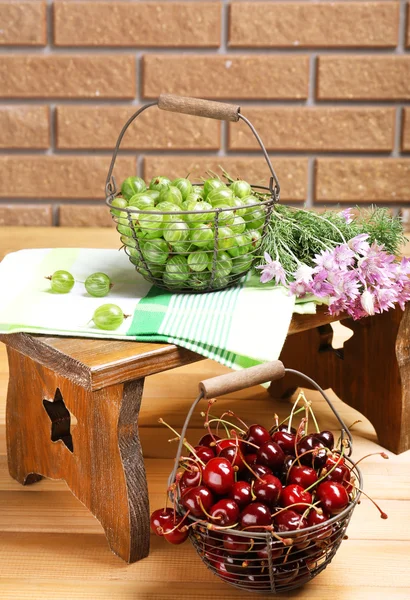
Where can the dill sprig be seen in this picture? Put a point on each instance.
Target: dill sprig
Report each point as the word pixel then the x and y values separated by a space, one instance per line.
pixel 295 235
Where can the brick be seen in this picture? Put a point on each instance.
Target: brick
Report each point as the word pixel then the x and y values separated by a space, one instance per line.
pixel 24 127
pixel 173 24
pixel 227 76
pixel 59 176
pixel 70 76
pixel 362 180
pixel 23 24
pixel 316 129
pixel 408 26
pixel 71 215
pixel 88 127
pixel 363 77
pixel 292 172
pixel 26 215
pixel 405 140
pixel 314 24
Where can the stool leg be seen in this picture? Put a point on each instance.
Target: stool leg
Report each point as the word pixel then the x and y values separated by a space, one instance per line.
pixel 371 373
pixel 99 457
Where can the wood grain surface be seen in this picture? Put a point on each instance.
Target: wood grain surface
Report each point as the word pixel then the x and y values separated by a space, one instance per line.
pixel 51 547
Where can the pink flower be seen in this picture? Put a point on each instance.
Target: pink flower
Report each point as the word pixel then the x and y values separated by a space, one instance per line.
pixel 320 287
pixel 346 214
pixel 300 288
pixel 272 269
pixel 325 259
pixel 303 272
pixel 359 244
pixel 367 302
pixel 344 256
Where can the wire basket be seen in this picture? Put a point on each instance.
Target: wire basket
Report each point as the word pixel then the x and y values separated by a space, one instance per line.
pixel 269 562
pixel 196 250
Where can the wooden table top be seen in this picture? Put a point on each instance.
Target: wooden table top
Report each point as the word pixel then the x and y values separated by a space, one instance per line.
pixel 95 363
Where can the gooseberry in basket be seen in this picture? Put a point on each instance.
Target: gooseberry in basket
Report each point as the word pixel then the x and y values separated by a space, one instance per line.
pixel 184 186
pixel 132 186
pixel 159 183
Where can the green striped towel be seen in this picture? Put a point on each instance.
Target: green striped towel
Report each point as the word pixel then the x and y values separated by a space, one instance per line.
pixel 238 327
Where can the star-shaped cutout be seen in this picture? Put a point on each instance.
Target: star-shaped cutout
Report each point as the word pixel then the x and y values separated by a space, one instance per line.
pixel 60 418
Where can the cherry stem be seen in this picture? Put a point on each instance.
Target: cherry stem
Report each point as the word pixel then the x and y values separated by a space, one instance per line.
pixel 243 441
pixel 318 510
pixel 383 515
pixel 252 492
pixel 199 500
pixel 186 444
pixel 177 526
pixel 355 423
pixel 206 424
pixel 313 417
pixel 382 454
pixel 213 526
pixel 298 434
pixel 276 419
pixel 297 460
pixel 230 413
pixel 251 470
pixel 223 421
pixel 301 396
pixel 327 472
pixel 299 410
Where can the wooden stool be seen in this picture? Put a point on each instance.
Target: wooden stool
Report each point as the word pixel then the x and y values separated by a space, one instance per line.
pixel 100 383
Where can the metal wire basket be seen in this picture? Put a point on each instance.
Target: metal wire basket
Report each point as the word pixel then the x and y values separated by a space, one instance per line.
pixel 268 562
pixel 195 250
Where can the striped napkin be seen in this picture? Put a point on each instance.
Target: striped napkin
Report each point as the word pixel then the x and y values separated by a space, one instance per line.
pixel 238 327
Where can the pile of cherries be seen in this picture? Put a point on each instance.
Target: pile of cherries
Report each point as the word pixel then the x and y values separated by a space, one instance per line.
pixel 257 481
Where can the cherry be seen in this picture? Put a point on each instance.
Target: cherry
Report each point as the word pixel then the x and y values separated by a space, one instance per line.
pixel 241 493
pixel 225 512
pixel 333 496
pixel 218 475
pixel 256 581
pixel 307 457
pixel 235 564
pixel 259 470
pixel 289 520
pixel 160 518
pixel 295 494
pixel 236 543
pixel 208 440
pixel 210 538
pixel 285 440
pixel 286 573
pixel 255 515
pixel 191 478
pixel 327 439
pixel 234 456
pixel 267 490
pixel 287 464
pixel 302 475
pixel 251 459
pixel 213 555
pixel 204 453
pixel 340 472
pixel 271 454
pixel 222 570
pixel 317 518
pixel 276 550
pixel 257 434
pixel 174 533
pixel 222 444
pixel 197 499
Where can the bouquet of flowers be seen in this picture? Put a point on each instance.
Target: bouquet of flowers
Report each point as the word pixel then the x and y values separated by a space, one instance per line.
pixel 347 262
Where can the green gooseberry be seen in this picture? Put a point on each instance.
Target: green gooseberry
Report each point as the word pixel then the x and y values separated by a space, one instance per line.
pixel 242 245
pixel 176 232
pixel 155 251
pixel 171 194
pixel 199 216
pixel 198 261
pixel 226 238
pixel 177 266
pixel 132 186
pixel 202 235
pixel 212 184
pixel 222 266
pixel 241 188
pixel 221 195
pixel 255 218
pixel 120 203
pixel 159 183
pixel 143 201
pixel 199 281
pixel 184 186
pixel 238 224
pixel 242 264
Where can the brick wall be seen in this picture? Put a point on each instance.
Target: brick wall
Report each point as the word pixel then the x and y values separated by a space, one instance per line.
pixel 325 83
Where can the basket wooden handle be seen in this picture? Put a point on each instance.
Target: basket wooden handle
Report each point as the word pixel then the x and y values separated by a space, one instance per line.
pixel 232 382
pixel 199 107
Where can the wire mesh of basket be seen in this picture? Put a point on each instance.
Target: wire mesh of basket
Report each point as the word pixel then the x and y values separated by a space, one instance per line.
pixel 207 248
pixel 260 560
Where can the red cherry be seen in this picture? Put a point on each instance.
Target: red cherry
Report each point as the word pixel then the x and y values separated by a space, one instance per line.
pixel 193 498
pixel 333 496
pixel 222 571
pixel 204 453
pixel 237 544
pixel 222 444
pixel 257 434
pixel 287 464
pixel 272 455
pixel 235 565
pixel 241 493
pixel 174 533
pixel 225 512
pixel 289 520
pixel 191 478
pixel 285 440
pixel 213 555
pixel 305 446
pixel 208 440
pixel 302 475
pixel 234 456
pixel 276 550
pixel 327 438
pixel 285 427
pixel 160 518
pixel 218 475
pixel 255 515
pixel 267 490
pixel 295 494
pixel 259 470
pixel 316 518
pixel 251 459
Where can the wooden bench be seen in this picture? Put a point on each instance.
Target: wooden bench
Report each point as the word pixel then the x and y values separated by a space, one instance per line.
pixel 99 383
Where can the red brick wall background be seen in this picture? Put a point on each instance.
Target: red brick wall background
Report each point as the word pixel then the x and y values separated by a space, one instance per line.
pixel 325 83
